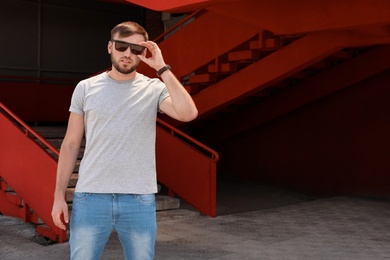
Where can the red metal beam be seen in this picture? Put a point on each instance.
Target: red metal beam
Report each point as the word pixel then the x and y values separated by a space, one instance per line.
pixel 178 6
pixel 292 17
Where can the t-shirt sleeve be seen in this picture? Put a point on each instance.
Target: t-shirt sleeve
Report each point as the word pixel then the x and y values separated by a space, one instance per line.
pixel 77 101
pixel 163 95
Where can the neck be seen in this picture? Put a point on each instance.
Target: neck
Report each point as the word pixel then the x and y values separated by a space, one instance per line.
pixel 114 74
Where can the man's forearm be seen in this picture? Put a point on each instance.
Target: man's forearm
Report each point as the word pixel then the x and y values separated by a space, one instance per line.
pixel 66 164
pixel 181 99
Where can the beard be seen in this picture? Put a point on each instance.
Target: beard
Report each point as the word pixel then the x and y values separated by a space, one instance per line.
pixel 123 69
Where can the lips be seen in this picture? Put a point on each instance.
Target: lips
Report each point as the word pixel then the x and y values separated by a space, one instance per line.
pixel 125 61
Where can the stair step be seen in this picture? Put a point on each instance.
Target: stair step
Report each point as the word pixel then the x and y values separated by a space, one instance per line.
pixel 55 142
pixel 213 68
pixel 166 203
pixel 176 214
pixel 266 44
pixel 194 89
pixel 73 180
pixel 14 198
pixel 247 55
pixel 49 132
pixel 229 67
pixel 77 166
pixel 4 186
pixel 69 194
pixel 202 78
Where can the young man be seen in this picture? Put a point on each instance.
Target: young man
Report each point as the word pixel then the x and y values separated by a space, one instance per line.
pixel 117 110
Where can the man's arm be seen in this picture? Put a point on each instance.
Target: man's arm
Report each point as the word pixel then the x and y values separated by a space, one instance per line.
pixel 179 105
pixel 68 155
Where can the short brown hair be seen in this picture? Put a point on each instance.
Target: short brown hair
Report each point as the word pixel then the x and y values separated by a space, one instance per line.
pixel 129 28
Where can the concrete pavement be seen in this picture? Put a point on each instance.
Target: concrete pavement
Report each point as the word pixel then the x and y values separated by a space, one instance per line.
pixel 327 228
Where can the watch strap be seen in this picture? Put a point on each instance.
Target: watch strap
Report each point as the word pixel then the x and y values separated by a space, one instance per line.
pixel 163 69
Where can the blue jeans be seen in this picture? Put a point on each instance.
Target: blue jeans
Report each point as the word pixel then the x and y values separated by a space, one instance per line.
pixel 95 216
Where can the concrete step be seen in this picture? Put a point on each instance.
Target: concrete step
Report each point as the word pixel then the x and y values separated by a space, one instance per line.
pixel 166 203
pixel 176 214
pixel 50 132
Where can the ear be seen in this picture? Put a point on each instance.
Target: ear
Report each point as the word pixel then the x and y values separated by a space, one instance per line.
pixel 109 47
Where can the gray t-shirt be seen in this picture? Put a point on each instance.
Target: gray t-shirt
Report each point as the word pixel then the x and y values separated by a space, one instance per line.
pixel 120 132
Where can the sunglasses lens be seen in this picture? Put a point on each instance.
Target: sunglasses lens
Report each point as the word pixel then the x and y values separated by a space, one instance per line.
pixel 136 49
pixel 121 46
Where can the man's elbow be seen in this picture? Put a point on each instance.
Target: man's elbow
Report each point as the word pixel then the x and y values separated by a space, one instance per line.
pixel 190 116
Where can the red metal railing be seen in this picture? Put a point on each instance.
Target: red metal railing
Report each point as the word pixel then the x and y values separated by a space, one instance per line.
pixel 187 167
pixel 176 132
pixel 30 171
pixel 179 25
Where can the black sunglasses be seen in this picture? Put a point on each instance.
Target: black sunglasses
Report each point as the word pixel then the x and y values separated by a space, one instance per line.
pixel 123 46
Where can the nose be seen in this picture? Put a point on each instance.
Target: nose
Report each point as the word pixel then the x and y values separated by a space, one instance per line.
pixel 127 52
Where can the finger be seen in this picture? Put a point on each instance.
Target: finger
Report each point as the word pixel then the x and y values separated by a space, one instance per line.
pixel 151 46
pixel 66 216
pixel 148 44
pixel 142 58
pixel 57 221
pixel 61 226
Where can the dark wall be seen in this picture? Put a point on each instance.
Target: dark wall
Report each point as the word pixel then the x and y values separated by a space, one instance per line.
pixel 338 145
pixel 61 40
pixel 53 38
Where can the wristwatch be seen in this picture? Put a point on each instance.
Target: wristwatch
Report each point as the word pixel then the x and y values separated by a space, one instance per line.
pixel 163 69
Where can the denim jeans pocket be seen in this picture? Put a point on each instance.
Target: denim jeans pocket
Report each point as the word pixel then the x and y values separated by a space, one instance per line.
pixel 146 198
pixel 81 196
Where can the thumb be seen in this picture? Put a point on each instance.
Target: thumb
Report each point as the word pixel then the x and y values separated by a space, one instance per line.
pixel 143 58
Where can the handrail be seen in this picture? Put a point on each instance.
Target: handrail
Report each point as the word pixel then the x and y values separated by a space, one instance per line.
pixel 28 129
pixel 214 154
pixel 180 24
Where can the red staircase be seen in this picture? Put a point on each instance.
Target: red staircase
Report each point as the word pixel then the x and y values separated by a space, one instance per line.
pixel 27 175
pixel 234 63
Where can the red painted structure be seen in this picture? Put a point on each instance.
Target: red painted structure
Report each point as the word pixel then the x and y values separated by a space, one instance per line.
pixel 290 93
pixel 28 171
pixel 27 175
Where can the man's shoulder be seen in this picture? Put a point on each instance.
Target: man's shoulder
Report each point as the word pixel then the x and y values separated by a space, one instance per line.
pixel 96 77
pixel 91 81
pixel 143 79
